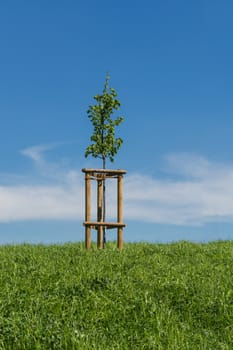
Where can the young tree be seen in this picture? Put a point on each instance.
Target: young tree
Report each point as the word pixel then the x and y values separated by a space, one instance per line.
pixel 104 143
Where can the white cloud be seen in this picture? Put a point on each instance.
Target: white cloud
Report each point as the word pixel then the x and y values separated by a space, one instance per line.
pixel 194 166
pixel 203 193
pixel 39 202
pixel 61 198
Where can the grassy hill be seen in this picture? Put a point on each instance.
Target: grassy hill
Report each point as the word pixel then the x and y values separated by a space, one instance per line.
pixel 149 296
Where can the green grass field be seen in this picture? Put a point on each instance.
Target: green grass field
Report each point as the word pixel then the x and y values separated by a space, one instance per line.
pixel 149 296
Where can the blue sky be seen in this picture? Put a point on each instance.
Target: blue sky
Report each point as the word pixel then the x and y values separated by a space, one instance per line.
pixel 171 63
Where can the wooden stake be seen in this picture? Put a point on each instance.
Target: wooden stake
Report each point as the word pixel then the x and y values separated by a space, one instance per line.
pixel 100 213
pixel 120 211
pixel 88 210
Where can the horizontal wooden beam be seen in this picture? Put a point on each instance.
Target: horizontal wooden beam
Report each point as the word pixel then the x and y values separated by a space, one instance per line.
pixel 105 224
pixel 104 171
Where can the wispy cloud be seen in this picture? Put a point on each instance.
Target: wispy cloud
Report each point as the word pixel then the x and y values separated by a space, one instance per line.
pixel 44 168
pixel 196 191
pixel 36 153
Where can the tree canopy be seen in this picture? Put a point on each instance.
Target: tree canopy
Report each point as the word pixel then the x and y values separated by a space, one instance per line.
pixel 104 144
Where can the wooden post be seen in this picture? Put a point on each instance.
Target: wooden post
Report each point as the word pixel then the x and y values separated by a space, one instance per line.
pixel 120 211
pixel 88 210
pixel 100 213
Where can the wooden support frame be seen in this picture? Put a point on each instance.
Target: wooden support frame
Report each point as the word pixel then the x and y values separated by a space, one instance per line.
pixel 100 175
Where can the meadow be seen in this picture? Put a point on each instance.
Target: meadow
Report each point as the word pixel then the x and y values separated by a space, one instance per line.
pixel 149 296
